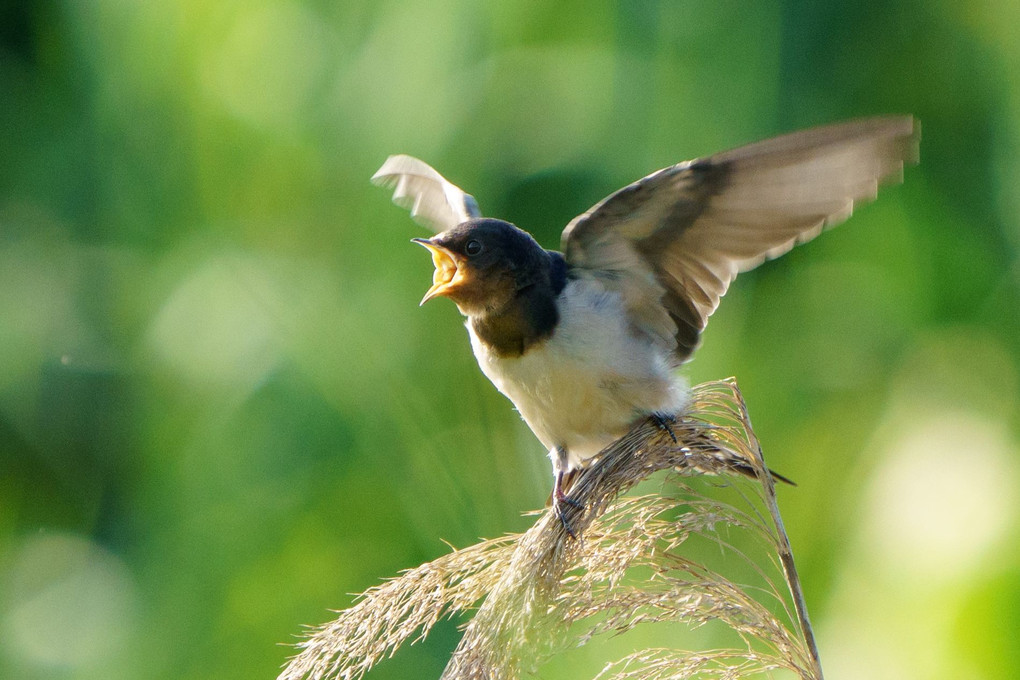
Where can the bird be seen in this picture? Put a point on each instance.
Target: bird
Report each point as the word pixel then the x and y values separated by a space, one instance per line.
pixel 587 341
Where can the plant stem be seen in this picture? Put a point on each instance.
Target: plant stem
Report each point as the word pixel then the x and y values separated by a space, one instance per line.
pixel 784 548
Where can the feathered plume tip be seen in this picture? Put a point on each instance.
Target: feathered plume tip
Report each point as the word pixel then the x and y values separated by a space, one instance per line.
pixel 542 592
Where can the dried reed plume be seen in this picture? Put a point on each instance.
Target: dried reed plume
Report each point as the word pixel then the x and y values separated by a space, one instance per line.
pixel 542 592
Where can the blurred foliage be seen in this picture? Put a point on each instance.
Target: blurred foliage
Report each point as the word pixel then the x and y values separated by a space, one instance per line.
pixel 221 409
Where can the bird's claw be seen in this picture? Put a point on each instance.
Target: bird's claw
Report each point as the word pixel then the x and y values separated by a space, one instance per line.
pixel 563 498
pixel 561 514
pixel 560 499
pixel 665 422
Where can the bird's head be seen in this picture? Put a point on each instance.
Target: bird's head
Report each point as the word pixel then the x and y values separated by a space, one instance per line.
pixel 483 264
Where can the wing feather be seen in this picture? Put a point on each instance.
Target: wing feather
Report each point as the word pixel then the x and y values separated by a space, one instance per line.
pixel 675 240
pixel 433 200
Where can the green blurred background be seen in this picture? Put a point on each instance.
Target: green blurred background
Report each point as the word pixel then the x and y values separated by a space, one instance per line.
pixel 221 410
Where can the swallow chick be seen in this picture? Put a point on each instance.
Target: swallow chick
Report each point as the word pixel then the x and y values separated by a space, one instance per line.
pixel 586 342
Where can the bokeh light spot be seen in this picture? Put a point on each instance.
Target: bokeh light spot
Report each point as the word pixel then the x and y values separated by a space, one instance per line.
pixel 215 329
pixel 945 495
pixel 269 66
pixel 71 602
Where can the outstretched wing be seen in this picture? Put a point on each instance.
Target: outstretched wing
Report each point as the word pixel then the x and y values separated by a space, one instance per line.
pixel 672 243
pixel 433 201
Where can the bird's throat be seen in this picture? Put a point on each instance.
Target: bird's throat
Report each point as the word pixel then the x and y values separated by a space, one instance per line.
pixel 525 321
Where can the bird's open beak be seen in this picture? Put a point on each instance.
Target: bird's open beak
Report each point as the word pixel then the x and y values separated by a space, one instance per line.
pixel 448 274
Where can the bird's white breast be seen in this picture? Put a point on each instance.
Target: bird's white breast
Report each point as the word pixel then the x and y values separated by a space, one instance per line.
pixel 587 384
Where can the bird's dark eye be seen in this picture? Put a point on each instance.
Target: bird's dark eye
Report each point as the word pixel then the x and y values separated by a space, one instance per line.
pixel 473 247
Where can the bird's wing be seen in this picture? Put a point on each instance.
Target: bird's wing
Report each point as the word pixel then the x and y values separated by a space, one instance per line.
pixel 670 244
pixel 433 201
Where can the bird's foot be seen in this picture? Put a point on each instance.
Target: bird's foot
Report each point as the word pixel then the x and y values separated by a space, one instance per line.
pixel 665 422
pixel 561 499
pixel 560 508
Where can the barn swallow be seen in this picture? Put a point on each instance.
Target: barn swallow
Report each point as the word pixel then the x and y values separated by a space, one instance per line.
pixel 585 342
